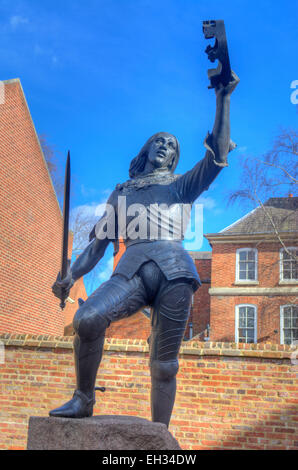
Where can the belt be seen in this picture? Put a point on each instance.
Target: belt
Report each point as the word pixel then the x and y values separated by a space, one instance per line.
pixel 130 242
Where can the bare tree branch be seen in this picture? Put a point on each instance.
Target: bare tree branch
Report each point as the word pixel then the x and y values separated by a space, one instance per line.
pixel 82 220
pixel 282 169
pixel 53 160
pixel 278 167
pixel 261 176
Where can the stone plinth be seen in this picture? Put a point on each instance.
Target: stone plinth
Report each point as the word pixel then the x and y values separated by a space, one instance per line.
pixel 98 433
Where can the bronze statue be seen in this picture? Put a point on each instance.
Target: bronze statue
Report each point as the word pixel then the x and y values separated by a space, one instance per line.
pixel 158 273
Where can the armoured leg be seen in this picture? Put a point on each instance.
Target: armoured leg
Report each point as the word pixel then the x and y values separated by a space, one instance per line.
pixel 112 301
pixel 87 357
pixel 168 325
pixel 163 390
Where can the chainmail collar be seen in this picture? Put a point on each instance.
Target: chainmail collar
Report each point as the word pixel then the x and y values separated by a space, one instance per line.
pixel 147 180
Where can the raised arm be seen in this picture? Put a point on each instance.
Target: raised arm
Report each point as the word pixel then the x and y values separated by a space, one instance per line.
pixel 218 145
pixel 219 140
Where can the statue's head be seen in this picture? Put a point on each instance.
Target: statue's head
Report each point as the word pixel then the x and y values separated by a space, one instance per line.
pixel 159 154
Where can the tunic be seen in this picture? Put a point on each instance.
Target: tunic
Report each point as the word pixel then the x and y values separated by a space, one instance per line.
pixel 167 253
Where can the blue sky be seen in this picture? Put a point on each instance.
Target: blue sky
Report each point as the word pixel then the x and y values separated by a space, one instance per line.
pixel 102 76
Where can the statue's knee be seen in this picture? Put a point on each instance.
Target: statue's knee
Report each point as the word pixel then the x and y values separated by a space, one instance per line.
pixel 88 324
pixel 164 370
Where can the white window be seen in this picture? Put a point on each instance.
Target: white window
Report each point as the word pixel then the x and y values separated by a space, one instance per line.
pixel 289 264
pixel 246 324
pixel 247 264
pixel 288 324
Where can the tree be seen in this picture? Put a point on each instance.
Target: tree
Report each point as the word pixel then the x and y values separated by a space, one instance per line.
pixel 276 170
pixel 53 161
pixel 82 220
pixel 275 173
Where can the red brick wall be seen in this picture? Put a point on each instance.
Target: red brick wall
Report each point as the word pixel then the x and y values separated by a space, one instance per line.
pixel 222 307
pixel 30 225
pixel 224 264
pixel 228 396
pixel 222 321
pixel 78 291
pixel 200 312
pixel 137 326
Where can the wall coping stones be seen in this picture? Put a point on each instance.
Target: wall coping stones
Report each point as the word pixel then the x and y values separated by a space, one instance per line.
pixel 192 347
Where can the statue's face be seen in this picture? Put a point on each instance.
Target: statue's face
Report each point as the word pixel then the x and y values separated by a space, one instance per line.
pixel 162 150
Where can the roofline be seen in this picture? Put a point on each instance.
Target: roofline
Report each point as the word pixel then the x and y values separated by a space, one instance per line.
pixel 250 237
pixel 11 80
pixel 17 80
pixel 252 211
pixel 239 220
pixel 200 254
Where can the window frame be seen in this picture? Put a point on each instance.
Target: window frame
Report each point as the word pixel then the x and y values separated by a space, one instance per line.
pixel 282 337
pixel 281 278
pixel 237 307
pixel 237 278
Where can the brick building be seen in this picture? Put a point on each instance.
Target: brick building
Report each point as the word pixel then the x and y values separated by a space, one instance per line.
pixel 30 225
pixel 199 319
pixel 254 276
pixel 229 396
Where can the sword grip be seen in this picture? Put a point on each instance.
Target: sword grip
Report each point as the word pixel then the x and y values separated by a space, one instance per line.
pixel 63 300
pixel 62 304
pixel 64 291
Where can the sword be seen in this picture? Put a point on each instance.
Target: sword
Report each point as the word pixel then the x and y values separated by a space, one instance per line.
pixel 65 263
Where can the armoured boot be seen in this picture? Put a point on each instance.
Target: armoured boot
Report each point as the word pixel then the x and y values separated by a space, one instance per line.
pixel 87 355
pixel 163 390
pixel 80 406
pixel 162 400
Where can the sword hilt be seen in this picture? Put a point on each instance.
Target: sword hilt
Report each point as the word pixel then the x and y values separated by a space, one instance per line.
pixel 64 292
pixel 62 303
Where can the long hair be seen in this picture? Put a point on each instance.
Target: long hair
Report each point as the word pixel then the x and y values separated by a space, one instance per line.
pixel 137 165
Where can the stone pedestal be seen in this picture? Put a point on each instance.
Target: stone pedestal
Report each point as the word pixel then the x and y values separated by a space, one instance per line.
pixel 98 433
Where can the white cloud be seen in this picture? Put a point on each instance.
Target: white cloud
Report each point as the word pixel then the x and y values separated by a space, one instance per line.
pixel 87 192
pixel 241 149
pixel 84 210
pixel 106 273
pixel 17 20
pixel 92 192
pixel 106 192
pixel 40 51
pixel 208 202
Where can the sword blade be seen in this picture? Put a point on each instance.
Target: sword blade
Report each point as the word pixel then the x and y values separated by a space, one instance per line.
pixel 64 256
